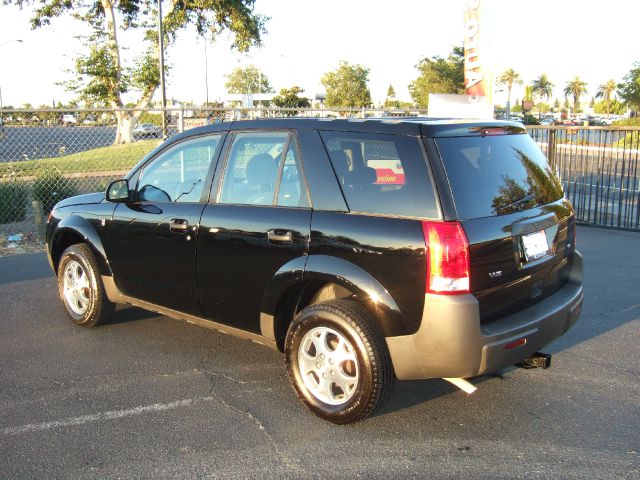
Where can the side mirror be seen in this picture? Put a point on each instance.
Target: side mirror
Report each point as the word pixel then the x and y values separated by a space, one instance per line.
pixel 118 191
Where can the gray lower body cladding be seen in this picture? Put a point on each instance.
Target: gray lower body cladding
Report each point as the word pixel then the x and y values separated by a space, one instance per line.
pixel 451 342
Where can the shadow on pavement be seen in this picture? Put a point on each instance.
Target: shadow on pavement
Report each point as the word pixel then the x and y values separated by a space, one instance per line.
pixel 127 314
pixel 611 284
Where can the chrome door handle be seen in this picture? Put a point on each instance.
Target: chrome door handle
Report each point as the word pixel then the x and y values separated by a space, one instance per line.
pixel 179 225
pixel 280 236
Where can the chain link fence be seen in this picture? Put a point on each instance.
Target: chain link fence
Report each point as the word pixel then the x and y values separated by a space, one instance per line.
pixel 50 154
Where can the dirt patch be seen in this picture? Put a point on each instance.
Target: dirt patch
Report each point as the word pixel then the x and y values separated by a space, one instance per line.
pixel 25 235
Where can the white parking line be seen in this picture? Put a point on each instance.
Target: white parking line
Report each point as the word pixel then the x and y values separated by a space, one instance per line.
pixel 96 417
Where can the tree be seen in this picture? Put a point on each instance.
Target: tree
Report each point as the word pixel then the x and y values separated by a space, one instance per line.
pixel 290 98
pixel 391 92
pixel 629 89
pixel 542 87
pixel 347 86
pixel 508 78
pixel 101 74
pixel 575 88
pixel 247 80
pixel 438 75
pixel 606 92
pixel 614 107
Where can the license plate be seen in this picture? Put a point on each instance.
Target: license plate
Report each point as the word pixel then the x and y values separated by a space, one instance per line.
pixel 535 245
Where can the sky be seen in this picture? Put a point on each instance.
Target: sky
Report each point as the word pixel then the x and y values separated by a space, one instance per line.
pixel 307 38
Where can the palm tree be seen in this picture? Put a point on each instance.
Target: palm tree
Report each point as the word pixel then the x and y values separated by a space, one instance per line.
pixel 606 91
pixel 508 78
pixel 575 88
pixel 543 88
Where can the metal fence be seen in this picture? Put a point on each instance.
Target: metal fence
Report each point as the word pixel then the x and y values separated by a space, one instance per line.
pixel 50 154
pixel 600 171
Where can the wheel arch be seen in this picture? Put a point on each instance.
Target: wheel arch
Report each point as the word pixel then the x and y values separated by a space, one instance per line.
pixel 319 279
pixel 75 229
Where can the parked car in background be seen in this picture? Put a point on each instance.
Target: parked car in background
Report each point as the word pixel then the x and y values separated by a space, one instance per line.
pixel 364 250
pixel 69 119
pixel 147 130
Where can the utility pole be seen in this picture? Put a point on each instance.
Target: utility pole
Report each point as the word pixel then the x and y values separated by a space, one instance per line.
pixel 206 72
pixel 163 93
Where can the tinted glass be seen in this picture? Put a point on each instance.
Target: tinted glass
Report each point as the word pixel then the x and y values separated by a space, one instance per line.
pixel 252 168
pixel 292 192
pixel 382 174
pixel 178 175
pixel 497 175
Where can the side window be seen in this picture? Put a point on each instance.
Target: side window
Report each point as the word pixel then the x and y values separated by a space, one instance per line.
pixel 382 174
pixel 292 191
pixel 178 175
pixel 258 167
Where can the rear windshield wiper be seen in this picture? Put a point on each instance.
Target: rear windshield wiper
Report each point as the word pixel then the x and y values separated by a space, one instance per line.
pixel 524 199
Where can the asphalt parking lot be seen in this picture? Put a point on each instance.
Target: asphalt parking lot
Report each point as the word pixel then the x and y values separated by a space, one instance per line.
pixel 150 397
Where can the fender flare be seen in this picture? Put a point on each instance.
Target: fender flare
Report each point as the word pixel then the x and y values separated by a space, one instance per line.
pixel 80 226
pixel 325 269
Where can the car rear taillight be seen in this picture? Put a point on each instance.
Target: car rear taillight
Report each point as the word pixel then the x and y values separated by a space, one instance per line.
pixel 493 131
pixel 447 252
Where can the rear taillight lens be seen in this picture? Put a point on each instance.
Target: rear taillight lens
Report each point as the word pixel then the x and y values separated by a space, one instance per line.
pixel 447 258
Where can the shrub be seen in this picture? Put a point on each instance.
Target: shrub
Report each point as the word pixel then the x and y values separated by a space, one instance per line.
pixel 51 187
pixel 531 120
pixel 13 201
pixel 630 140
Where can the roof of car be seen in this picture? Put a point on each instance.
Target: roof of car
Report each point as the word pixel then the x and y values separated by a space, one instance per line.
pixel 425 126
pixel 414 126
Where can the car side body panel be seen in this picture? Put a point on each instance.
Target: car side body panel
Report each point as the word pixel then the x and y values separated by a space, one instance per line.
pixel 389 250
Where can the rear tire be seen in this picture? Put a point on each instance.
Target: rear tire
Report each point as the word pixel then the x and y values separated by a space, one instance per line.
pixel 81 289
pixel 338 362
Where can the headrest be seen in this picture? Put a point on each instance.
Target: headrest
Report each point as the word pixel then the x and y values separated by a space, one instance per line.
pixel 340 162
pixel 262 169
pixel 362 176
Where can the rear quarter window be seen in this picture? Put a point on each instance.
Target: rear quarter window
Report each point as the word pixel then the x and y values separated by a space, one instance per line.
pixel 382 174
pixel 497 175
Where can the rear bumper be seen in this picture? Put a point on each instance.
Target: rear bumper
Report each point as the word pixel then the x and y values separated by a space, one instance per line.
pixel 451 342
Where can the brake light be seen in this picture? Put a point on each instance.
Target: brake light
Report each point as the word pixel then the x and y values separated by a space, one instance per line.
pixel 447 251
pixel 493 131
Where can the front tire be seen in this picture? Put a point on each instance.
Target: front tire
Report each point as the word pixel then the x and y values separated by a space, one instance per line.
pixel 338 362
pixel 81 289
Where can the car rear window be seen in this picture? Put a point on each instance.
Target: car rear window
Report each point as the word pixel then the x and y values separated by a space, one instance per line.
pixel 497 175
pixel 382 174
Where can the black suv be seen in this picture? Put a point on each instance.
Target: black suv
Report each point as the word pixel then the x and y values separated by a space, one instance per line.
pixel 365 250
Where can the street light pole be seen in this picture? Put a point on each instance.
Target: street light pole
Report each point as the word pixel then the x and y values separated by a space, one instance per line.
pixel 163 93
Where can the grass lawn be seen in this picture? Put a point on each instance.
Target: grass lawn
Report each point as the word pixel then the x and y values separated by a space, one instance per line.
pixel 104 159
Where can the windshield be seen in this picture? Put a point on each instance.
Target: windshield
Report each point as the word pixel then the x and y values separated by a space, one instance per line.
pixel 497 174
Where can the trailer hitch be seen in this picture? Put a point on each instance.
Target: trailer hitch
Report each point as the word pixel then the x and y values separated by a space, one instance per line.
pixel 536 360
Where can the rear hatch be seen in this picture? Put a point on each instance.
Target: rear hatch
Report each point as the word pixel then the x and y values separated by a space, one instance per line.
pixel 520 227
